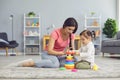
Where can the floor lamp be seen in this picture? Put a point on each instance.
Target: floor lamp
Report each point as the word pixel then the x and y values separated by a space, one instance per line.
pixel 11 18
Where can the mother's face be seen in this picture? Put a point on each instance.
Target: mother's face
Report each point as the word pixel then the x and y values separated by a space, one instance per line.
pixel 69 29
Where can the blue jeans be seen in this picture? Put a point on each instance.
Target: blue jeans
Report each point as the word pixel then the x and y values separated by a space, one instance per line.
pixel 50 61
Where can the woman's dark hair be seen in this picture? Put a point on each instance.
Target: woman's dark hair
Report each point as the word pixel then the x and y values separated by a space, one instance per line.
pixel 70 44
pixel 71 22
pixel 87 34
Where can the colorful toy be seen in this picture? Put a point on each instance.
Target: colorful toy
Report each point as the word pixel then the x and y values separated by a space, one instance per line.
pixel 28 23
pixel 33 24
pixel 69 64
pixel 74 70
pixel 37 24
pixel 62 68
pixel 95 67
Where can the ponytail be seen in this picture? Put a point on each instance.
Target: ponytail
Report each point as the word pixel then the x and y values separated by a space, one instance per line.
pixel 70 44
pixel 88 33
pixel 93 34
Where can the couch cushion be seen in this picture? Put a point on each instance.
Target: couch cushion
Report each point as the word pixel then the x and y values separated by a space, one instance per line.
pixel 2 40
pixel 118 35
pixel 111 43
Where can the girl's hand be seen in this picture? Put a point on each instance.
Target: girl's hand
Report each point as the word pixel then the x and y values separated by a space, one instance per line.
pixel 76 52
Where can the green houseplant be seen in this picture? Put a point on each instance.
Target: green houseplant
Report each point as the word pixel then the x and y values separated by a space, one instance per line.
pixel 110 28
pixel 31 14
pixel 92 13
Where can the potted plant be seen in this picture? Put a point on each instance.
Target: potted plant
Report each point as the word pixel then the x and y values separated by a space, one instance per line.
pixel 92 13
pixel 31 14
pixel 110 28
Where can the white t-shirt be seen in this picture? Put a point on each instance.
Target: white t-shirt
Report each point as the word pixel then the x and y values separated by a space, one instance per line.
pixel 87 53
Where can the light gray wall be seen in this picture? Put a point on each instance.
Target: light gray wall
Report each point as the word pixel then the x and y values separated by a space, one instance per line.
pixel 52 12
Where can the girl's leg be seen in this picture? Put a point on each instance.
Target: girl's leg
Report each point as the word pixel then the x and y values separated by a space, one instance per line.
pixel 48 61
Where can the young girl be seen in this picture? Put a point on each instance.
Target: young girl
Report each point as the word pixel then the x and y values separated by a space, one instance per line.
pixel 86 51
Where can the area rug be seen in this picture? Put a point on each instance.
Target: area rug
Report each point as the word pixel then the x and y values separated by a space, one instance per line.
pixel 47 73
pixel 109 68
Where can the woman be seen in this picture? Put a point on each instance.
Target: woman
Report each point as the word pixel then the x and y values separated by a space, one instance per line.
pixel 60 39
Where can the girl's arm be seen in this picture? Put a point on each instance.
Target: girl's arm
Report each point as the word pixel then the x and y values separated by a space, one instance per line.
pixel 50 48
pixel 77 52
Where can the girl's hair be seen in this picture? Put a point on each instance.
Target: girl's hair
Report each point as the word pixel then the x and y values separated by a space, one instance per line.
pixel 71 22
pixel 88 34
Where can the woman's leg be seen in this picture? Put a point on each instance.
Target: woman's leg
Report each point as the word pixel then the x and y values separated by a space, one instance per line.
pixel 62 60
pixel 24 63
pixel 48 61
pixel 76 58
pixel 27 63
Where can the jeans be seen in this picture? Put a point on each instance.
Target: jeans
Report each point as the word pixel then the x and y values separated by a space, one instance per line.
pixel 51 61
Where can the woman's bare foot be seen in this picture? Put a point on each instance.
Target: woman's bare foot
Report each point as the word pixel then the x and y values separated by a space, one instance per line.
pixel 26 63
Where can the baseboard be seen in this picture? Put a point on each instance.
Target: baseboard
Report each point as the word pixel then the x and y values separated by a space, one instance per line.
pixel 10 53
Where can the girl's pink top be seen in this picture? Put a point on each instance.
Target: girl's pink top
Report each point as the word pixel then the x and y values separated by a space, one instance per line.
pixel 60 44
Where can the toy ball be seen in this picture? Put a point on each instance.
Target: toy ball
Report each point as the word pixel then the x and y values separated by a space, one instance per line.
pixel 95 67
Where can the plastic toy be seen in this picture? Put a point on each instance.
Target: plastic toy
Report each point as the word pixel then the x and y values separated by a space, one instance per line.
pixel 74 70
pixel 37 24
pixel 33 24
pixel 28 23
pixel 95 67
pixel 62 68
pixel 69 64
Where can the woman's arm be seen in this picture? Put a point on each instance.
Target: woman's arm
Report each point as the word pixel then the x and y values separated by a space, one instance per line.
pixel 50 48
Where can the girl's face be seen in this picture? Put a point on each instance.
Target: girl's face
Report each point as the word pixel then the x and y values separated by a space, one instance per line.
pixel 69 30
pixel 84 40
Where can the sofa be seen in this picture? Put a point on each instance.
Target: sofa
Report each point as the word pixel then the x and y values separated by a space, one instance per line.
pixel 111 45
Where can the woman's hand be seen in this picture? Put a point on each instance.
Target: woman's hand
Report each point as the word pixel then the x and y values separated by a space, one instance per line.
pixel 62 53
pixel 76 52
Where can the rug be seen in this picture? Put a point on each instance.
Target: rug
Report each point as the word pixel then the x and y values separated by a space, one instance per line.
pixel 109 68
pixel 50 73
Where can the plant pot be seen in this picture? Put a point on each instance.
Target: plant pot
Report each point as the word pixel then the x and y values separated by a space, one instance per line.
pixel 31 15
